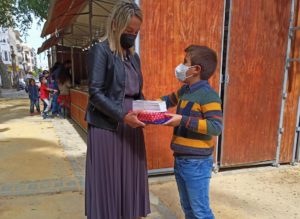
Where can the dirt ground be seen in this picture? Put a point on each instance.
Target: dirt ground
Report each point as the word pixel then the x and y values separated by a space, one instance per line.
pixel 40 176
pixel 66 205
pixel 32 155
pixel 31 142
pixel 262 193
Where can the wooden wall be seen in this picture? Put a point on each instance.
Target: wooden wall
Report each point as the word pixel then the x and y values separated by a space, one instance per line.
pixel 169 27
pixel 63 53
pixel 293 91
pixel 256 58
pixel 79 102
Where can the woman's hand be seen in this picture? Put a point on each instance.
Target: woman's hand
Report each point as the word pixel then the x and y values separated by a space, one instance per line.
pixel 174 121
pixel 132 120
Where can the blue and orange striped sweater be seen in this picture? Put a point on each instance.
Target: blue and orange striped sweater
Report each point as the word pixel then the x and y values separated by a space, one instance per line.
pixel 200 107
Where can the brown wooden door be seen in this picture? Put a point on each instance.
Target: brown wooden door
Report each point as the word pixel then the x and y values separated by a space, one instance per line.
pixel 169 27
pixel 293 89
pixel 256 59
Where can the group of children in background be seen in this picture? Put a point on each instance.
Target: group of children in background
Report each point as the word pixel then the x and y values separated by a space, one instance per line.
pixel 54 91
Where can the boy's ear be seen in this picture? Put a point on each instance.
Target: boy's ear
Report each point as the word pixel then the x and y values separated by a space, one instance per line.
pixel 197 69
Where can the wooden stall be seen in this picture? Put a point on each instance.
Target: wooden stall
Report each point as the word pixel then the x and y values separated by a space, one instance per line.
pixel 64 53
pixel 251 40
pixel 79 100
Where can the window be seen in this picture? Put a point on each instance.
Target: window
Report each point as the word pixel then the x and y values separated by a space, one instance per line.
pixel 5 56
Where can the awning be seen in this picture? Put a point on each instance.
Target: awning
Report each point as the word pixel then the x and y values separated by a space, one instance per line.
pixel 48 43
pixel 61 14
pixel 69 21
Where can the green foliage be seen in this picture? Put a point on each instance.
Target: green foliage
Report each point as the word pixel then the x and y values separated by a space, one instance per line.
pixel 19 13
pixel 35 73
pixel 7 10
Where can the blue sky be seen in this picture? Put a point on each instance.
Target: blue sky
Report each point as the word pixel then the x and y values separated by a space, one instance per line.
pixel 34 40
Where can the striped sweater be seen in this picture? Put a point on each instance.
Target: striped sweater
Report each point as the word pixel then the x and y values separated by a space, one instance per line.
pixel 200 107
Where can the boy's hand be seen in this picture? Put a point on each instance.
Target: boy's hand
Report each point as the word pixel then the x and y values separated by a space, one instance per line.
pixel 174 121
pixel 132 120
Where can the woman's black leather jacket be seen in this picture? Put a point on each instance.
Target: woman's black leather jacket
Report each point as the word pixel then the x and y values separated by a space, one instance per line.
pixel 107 86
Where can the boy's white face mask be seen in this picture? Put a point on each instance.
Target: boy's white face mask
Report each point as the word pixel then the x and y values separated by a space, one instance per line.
pixel 180 72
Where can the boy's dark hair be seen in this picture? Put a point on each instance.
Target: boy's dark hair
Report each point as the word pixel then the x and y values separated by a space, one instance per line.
pixel 45 72
pixel 205 57
pixel 31 80
pixel 41 78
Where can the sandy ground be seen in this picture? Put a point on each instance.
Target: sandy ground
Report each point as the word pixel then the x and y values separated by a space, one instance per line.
pixel 30 142
pixel 55 206
pixel 264 193
pixel 32 152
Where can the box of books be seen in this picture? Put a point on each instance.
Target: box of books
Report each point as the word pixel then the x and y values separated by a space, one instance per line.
pixel 153 112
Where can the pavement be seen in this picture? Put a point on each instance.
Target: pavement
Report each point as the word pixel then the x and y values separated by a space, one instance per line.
pixel 42 164
pixel 13 94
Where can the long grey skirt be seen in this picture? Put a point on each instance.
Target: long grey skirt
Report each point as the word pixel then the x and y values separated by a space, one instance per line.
pixel 116 174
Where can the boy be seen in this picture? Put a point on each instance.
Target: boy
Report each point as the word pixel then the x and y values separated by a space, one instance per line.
pixel 33 92
pixel 198 118
pixel 44 94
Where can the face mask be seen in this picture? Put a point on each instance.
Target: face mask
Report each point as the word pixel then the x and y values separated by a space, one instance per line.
pixel 180 72
pixel 127 40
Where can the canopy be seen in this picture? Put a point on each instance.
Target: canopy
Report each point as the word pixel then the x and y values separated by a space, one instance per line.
pixel 69 23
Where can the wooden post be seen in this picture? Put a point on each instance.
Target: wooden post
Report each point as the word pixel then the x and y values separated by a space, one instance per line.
pixel 90 20
pixel 72 60
pixel 49 59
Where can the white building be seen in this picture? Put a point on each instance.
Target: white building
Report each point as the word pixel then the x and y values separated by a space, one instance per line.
pixel 5 46
pixel 25 54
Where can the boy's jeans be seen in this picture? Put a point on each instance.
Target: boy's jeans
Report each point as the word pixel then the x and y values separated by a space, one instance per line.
pixel 37 105
pixel 193 178
pixel 48 105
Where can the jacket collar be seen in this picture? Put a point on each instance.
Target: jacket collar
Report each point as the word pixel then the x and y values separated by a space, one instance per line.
pixel 196 86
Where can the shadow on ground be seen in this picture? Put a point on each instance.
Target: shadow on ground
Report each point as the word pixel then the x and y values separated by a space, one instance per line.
pixel 32 159
pixel 10 111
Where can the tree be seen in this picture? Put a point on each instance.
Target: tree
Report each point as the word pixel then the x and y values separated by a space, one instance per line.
pixel 5 78
pixel 19 14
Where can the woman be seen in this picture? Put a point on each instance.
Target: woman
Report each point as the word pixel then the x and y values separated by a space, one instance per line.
pixel 116 171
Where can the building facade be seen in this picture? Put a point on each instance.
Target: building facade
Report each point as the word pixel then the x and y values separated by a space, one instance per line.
pixel 11 43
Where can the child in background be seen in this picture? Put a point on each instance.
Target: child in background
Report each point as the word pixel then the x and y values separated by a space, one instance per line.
pixel 44 95
pixel 54 97
pixel 33 92
pixel 198 118
pixel 64 84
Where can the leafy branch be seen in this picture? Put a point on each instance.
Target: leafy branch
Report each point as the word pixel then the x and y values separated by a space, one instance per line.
pixel 19 13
